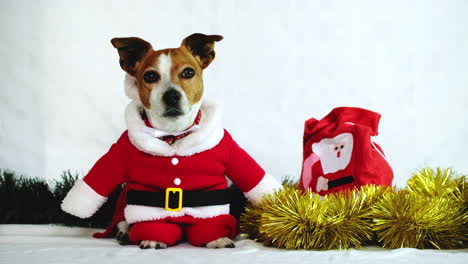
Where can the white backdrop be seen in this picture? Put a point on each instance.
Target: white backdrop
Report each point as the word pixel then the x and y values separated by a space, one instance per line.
pixel 281 62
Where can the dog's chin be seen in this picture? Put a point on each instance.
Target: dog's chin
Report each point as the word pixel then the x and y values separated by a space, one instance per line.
pixel 173 113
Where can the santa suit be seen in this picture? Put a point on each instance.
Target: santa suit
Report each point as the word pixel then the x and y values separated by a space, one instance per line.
pixel 199 161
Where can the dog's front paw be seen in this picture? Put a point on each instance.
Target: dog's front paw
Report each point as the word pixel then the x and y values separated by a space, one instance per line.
pixel 122 238
pixel 122 234
pixel 222 242
pixel 145 244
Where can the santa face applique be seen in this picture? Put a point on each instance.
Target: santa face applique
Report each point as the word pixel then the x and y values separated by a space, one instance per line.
pixel 339 153
pixel 334 153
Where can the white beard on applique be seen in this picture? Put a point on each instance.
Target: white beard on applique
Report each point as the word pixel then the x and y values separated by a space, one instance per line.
pixel 334 153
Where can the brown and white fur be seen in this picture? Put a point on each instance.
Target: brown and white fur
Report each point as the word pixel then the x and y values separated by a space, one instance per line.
pixel 170 88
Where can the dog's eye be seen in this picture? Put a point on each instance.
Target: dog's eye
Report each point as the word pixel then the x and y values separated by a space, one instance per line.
pixel 187 73
pixel 151 76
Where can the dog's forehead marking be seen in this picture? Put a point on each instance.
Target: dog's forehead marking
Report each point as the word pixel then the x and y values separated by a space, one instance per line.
pixel 164 65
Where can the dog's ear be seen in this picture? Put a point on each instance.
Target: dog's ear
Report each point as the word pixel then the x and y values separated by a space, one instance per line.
pixel 202 47
pixel 131 52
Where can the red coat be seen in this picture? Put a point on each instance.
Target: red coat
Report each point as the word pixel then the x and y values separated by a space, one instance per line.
pixel 200 161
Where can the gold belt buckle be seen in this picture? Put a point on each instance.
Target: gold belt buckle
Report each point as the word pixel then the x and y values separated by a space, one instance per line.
pixel 166 202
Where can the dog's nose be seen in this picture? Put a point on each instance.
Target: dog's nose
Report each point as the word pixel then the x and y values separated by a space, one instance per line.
pixel 171 97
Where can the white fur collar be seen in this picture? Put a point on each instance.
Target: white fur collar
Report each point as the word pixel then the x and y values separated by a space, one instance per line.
pixel 131 90
pixel 206 137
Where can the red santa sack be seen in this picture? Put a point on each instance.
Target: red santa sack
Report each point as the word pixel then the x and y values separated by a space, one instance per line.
pixel 339 153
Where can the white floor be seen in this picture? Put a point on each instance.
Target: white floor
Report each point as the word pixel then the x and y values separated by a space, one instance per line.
pixel 54 244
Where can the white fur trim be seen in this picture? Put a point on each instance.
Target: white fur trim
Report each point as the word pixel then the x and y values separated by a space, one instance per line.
pixel 267 185
pixel 82 200
pixel 131 89
pixel 140 213
pixel 206 137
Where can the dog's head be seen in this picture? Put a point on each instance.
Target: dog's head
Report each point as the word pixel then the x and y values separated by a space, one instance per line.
pixel 169 81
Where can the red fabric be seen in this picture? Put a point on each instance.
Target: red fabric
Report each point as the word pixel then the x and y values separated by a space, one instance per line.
pixel 206 171
pixel 160 231
pixel 345 130
pixel 198 231
pixel 118 216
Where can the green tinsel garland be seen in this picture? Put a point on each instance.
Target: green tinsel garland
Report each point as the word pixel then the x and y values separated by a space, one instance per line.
pixel 34 201
pixel 26 200
pixel 431 212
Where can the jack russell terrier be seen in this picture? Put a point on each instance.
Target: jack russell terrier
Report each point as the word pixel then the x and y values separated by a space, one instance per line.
pixel 174 156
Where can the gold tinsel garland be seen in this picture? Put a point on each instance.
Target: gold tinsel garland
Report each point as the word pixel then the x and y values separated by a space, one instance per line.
pixel 431 212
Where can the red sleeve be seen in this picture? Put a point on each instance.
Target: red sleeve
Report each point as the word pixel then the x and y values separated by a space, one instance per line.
pixel 111 169
pixel 246 174
pixel 242 169
pixel 88 195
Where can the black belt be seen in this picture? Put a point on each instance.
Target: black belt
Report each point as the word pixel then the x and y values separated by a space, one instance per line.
pixel 340 181
pixel 174 199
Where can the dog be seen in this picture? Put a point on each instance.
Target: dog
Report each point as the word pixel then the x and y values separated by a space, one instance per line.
pixel 174 156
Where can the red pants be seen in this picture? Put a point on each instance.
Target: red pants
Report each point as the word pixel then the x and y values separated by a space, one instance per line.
pixel 197 231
